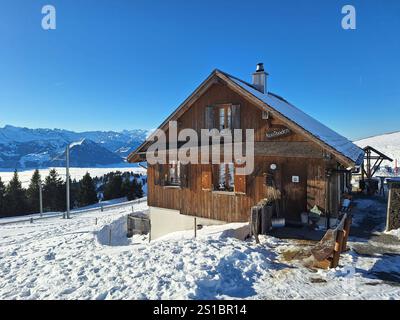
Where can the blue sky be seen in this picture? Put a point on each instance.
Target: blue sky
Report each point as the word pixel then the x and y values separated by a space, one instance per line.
pixel 125 64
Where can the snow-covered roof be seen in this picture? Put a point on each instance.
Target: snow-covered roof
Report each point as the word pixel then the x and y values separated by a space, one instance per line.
pixel 308 123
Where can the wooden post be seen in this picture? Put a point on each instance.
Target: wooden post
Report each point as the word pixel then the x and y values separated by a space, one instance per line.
pixel 346 230
pixel 389 207
pixel 195 227
pixel 95 221
pixel 338 249
pixel 109 235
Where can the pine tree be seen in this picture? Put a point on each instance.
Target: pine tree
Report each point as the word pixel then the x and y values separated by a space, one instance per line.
pixel 87 193
pixel 2 198
pixel 54 192
pixel 138 189
pixel 113 187
pixel 16 201
pixel 74 193
pixel 33 192
pixel 128 189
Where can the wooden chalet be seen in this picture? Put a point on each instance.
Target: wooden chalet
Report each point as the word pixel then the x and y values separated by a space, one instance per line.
pixel 299 162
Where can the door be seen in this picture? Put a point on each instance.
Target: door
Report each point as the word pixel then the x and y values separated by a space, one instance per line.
pixel 294 189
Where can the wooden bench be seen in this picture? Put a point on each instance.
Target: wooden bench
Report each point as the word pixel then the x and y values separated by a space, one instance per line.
pixel 327 252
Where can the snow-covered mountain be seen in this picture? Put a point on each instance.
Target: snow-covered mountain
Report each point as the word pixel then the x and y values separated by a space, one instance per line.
pixel 86 153
pixel 31 148
pixel 388 144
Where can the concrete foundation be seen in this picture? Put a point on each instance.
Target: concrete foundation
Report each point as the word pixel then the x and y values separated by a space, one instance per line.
pixel 164 221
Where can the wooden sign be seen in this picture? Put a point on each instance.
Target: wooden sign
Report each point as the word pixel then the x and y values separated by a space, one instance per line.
pixel 278 132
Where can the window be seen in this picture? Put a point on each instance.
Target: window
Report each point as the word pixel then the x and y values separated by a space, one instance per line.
pixel 225 117
pixel 174 174
pixel 225 177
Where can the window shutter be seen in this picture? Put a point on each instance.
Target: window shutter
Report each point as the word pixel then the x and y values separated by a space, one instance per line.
pixel 156 169
pixel 163 174
pixel 235 116
pixel 209 117
pixel 240 182
pixel 184 175
pixel 206 177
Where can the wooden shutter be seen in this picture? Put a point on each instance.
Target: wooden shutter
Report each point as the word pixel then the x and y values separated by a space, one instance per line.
pixel 206 177
pixel 240 182
pixel 235 111
pixel 163 174
pixel 209 117
pixel 184 175
pixel 156 170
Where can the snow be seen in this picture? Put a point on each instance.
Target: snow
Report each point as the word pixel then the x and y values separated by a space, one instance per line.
pixel 316 128
pixel 388 144
pixel 73 259
pixel 34 157
pixel 394 232
pixel 76 173
pixel 76 143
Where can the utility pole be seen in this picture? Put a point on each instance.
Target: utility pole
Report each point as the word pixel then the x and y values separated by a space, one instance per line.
pixel 40 199
pixel 67 182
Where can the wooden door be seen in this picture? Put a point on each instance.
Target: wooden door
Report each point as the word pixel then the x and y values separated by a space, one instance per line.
pixel 294 189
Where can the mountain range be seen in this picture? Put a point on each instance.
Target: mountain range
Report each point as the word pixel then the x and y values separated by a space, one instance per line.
pixel 24 148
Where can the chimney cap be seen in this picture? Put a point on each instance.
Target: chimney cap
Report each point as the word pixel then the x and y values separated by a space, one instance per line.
pixel 260 67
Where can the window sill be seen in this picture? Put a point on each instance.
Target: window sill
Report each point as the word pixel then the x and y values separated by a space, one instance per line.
pixel 172 187
pixel 224 193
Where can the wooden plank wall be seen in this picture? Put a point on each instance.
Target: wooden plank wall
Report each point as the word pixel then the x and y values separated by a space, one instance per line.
pixel 294 198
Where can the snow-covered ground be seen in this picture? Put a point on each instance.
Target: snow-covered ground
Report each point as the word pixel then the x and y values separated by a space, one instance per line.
pixel 73 259
pixel 76 173
pixel 389 144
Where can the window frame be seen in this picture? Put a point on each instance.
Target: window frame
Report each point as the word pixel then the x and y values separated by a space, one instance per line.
pixel 174 181
pixel 229 178
pixel 227 116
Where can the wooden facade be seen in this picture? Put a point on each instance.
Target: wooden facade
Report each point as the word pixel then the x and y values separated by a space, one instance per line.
pixel 299 182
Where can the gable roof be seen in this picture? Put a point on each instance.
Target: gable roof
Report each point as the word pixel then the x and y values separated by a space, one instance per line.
pixel 344 149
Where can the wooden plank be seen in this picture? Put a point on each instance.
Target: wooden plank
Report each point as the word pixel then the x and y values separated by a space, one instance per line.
pixel 209 117
pixel 346 232
pixel 338 249
pixel 206 177
pixel 235 116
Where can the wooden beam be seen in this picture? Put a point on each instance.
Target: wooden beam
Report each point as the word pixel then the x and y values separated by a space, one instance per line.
pixel 338 248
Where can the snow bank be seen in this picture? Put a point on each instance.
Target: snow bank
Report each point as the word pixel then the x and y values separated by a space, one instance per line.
pixel 114 234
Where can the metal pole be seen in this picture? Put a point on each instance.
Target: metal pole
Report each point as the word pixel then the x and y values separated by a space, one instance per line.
pixel 40 199
pixel 67 182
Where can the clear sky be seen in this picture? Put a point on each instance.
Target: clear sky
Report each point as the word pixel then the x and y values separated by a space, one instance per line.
pixel 125 64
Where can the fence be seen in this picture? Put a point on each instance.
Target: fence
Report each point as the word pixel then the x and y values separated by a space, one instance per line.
pixel 48 215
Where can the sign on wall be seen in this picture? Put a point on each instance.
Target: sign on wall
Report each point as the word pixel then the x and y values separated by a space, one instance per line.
pixel 278 132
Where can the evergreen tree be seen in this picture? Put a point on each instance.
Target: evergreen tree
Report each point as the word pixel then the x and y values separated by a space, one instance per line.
pixel 54 192
pixel 33 192
pixel 138 189
pixel 74 189
pixel 132 189
pixel 16 202
pixel 113 187
pixel 128 189
pixel 2 198
pixel 87 193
